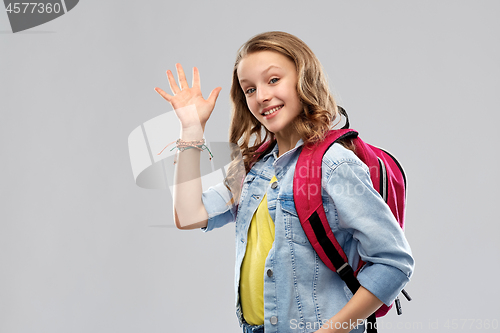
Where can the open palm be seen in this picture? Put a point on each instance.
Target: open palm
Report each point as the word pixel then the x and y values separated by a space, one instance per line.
pixel 188 103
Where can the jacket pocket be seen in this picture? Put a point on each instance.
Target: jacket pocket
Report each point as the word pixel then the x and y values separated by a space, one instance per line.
pixel 293 227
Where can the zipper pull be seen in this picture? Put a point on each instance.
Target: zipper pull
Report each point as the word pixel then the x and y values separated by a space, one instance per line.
pixel 398 306
pixel 406 295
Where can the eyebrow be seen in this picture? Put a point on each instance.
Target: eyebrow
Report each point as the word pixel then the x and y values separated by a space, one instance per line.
pixel 264 72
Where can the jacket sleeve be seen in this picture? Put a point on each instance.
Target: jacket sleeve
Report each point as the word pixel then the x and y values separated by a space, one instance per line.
pixel 362 213
pixel 220 213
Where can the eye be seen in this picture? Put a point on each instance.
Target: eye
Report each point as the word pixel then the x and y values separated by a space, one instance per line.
pixel 274 80
pixel 249 91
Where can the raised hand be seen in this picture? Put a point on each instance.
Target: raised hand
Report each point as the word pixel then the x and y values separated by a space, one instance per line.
pixel 183 96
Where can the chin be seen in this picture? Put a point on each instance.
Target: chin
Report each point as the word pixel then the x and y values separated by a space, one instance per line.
pixel 275 130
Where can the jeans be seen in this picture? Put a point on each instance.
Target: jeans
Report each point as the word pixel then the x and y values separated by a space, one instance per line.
pixel 247 328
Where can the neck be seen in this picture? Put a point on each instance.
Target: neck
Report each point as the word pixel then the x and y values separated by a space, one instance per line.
pixel 286 143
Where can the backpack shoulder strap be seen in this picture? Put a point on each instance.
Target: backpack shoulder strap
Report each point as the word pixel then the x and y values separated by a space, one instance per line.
pixel 312 216
pixel 309 204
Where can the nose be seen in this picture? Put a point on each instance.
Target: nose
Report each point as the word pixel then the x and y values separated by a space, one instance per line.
pixel 263 94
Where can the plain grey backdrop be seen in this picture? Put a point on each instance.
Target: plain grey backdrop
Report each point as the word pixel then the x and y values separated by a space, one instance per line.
pixel 84 249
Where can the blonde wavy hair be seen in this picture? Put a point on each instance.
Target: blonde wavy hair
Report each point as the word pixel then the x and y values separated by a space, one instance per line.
pixel 312 124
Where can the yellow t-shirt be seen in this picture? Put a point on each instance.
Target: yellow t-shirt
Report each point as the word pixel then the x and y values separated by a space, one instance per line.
pixel 260 241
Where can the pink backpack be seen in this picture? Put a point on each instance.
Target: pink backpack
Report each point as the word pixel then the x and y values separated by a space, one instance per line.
pixel 388 178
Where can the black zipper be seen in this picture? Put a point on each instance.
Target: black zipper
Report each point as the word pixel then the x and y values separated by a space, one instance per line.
pixel 398 164
pixel 383 179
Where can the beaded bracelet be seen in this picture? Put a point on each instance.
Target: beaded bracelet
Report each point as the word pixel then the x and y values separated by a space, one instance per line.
pixel 183 145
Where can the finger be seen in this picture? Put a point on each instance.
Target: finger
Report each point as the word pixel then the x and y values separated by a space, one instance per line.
pixel 181 76
pixel 196 78
pixel 163 94
pixel 171 82
pixel 213 95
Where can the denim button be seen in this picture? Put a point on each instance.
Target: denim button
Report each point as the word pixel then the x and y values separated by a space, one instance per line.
pixel 270 272
pixel 274 320
pixel 274 185
pixel 242 240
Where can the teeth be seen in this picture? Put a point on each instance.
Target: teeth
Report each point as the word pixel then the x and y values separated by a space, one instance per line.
pixel 272 110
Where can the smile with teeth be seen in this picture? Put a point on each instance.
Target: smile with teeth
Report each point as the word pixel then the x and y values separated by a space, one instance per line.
pixel 272 110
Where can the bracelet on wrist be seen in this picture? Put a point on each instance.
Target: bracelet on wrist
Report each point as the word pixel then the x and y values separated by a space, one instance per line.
pixel 182 145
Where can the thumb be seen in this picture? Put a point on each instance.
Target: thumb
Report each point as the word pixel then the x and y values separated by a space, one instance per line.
pixel 214 95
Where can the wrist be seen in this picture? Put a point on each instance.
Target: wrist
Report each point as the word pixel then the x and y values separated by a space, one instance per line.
pixel 190 134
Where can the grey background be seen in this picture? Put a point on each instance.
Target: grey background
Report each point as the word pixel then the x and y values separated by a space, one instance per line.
pixel 83 249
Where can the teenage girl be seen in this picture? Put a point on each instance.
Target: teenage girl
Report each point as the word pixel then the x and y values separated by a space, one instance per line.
pixel 280 94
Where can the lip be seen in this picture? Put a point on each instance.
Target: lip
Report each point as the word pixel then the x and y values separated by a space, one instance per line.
pixel 270 108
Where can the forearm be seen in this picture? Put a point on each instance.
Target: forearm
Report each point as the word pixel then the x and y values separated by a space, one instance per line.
pixel 190 212
pixel 361 305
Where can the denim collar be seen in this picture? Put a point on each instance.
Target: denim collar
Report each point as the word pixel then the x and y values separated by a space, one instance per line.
pixel 275 149
pixel 278 165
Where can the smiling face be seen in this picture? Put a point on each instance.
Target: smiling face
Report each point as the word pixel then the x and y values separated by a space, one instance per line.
pixel 269 81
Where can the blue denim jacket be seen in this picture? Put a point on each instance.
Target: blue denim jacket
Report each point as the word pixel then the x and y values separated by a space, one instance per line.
pixel 300 291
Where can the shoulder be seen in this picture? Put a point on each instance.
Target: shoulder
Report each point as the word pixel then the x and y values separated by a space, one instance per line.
pixel 338 155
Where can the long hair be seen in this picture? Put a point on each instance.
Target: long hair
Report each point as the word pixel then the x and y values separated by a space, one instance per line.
pixel 319 109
